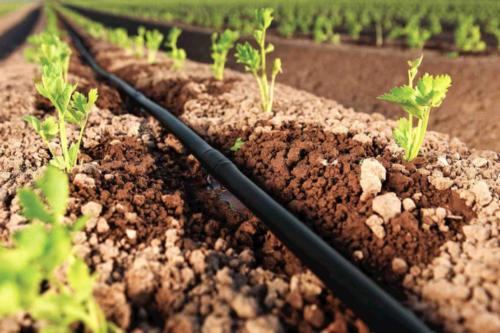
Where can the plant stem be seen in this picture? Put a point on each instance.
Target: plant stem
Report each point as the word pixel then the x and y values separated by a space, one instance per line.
pixel 64 140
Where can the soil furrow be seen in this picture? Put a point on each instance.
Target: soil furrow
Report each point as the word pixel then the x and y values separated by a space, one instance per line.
pixel 427 227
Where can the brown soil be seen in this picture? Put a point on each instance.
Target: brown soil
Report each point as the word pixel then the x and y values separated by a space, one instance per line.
pixel 307 152
pixel 354 75
pixel 170 254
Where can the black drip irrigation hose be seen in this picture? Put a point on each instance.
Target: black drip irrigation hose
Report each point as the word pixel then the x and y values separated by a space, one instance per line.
pixel 371 303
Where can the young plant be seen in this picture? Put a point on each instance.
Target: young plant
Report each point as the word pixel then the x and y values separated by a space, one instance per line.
pixel 417 101
pixel 468 35
pixel 30 274
pixel 323 30
pixel 255 60
pixel 416 35
pixel 71 107
pixel 177 55
pixel 220 48
pixel 120 38
pixel 138 42
pixel 153 42
pixel 238 143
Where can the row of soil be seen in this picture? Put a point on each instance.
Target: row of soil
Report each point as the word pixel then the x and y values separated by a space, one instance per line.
pixel 354 75
pixel 171 253
pixel 400 234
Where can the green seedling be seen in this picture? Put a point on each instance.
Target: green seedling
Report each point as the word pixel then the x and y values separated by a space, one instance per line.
pixel 416 35
pixel 417 101
pixel 468 35
pixel 255 60
pixel 153 42
pixel 120 38
pixel 71 107
pixel 138 42
pixel 177 55
pixel 238 143
pixel 47 49
pixel 220 48
pixel 323 30
pixel 30 274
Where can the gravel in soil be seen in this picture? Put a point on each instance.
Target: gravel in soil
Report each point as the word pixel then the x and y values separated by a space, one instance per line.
pixel 343 173
pixel 167 259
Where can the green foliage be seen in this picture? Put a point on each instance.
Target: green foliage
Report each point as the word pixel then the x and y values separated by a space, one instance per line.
pixel 323 30
pixel 120 38
pixel 298 17
pixel 416 34
pixel 177 55
pixel 153 42
pixel 220 48
pixel 138 42
pixel 255 60
pixel 30 272
pixel 53 55
pixel 468 35
pixel 238 143
pixel 417 101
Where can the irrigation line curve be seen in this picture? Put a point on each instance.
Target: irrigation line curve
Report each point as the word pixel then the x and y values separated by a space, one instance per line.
pixel 375 306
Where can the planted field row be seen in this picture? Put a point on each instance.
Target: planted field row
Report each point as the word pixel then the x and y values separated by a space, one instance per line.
pixel 421 228
pixel 456 26
pixel 166 249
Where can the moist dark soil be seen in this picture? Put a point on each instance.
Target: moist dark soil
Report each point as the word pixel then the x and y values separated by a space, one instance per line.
pixel 317 175
pixel 354 75
pixel 151 190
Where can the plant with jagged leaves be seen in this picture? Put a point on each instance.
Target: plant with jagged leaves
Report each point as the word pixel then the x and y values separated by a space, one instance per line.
pixel 138 42
pixel 30 274
pixel 153 42
pixel 417 101
pixel 71 107
pixel 255 60
pixel 177 55
pixel 221 44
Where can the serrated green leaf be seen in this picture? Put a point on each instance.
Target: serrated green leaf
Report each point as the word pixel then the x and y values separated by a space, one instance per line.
pixel 80 280
pixel 248 56
pixel 33 207
pixel 263 18
pixel 49 128
pixel 402 133
pixel 55 187
pixel 34 122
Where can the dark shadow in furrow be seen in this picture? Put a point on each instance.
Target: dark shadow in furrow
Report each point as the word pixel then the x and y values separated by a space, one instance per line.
pixel 16 35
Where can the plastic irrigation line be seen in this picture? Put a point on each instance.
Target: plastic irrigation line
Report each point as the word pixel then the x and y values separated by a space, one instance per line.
pixel 370 302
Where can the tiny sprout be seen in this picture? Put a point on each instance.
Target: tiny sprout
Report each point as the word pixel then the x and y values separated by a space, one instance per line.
pixel 176 54
pixel 255 60
pixel 220 48
pixel 153 42
pixel 417 101
pixel 238 143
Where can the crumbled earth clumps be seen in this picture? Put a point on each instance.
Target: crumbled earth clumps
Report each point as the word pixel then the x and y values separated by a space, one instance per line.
pixel 170 252
pixel 309 153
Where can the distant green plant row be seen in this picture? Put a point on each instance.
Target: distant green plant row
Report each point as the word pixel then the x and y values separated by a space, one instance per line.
pixel 323 20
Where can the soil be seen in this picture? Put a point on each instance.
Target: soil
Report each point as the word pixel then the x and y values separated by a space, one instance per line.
pixel 308 151
pixel 16 26
pixel 354 75
pixel 166 259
